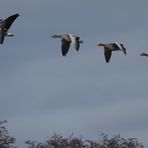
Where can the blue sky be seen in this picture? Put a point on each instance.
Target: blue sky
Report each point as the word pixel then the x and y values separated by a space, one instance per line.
pixel 42 93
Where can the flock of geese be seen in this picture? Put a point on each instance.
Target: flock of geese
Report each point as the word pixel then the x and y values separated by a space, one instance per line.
pixel 66 40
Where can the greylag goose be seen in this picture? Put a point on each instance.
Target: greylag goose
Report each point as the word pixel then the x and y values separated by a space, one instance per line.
pixel 144 54
pixel 66 39
pixel 5 25
pixel 109 47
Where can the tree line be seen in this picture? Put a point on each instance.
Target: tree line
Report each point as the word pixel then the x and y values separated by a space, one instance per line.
pixel 58 141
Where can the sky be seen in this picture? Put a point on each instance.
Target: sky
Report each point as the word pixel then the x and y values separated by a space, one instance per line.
pixel 43 93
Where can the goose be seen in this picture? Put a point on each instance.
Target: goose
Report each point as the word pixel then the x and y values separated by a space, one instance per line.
pixel 5 25
pixel 66 39
pixel 109 47
pixel 144 54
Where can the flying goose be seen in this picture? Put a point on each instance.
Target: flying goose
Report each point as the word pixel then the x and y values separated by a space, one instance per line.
pixel 5 25
pixel 66 39
pixel 109 47
pixel 144 54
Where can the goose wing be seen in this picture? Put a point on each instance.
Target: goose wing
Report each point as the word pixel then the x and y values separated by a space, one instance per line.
pixel 77 43
pixel 107 54
pixel 8 21
pixel 2 35
pixel 65 46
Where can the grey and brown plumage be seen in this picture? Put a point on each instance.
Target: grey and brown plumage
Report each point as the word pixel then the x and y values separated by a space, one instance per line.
pixel 66 40
pixel 109 47
pixel 5 25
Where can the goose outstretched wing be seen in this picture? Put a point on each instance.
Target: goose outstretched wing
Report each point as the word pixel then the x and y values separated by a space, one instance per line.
pixel 8 21
pixel 107 55
pixel 77 43
pixel 65 47
pixel 2 35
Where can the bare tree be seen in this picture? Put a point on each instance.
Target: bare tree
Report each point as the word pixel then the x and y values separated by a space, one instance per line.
pixel 6 141
pixel 58 141
pixel 119 142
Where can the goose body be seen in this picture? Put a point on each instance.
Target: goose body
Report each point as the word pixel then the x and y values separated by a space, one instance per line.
pixel 144 54
pixel 66 40
pixel 109 47
pixel 5 25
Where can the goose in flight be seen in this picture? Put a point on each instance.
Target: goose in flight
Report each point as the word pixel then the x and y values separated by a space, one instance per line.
pixel 109 47
pixel 66 39
pixel 144 54
pixel 5 25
